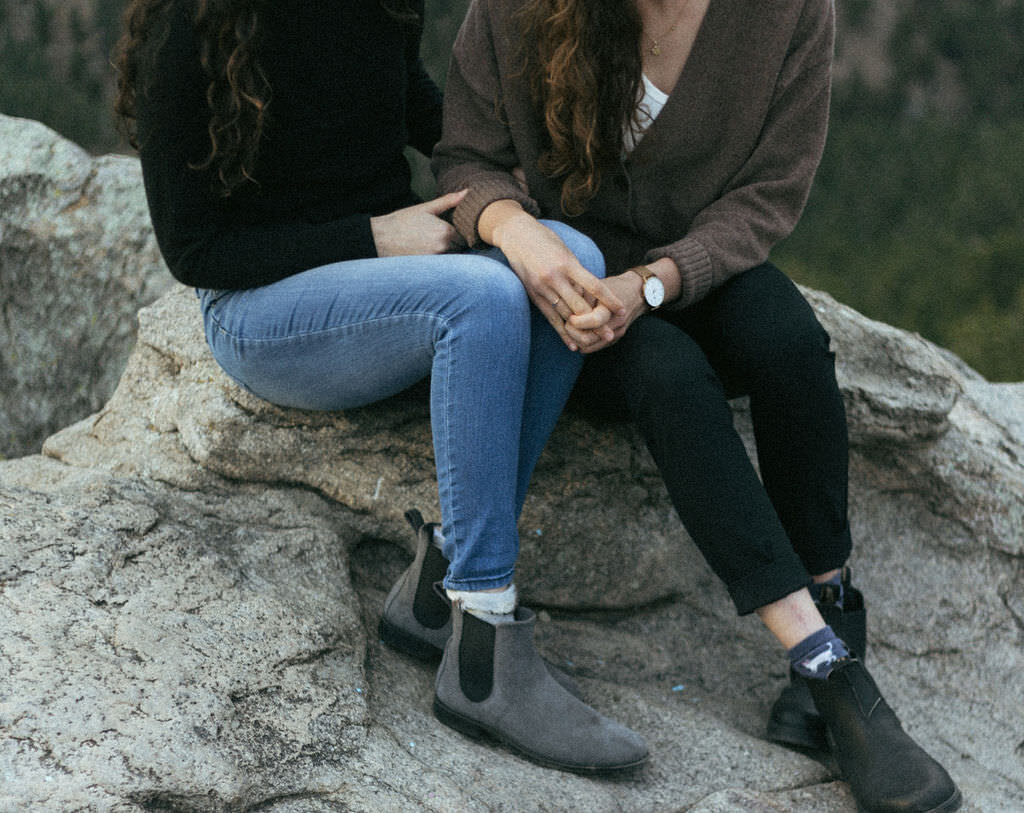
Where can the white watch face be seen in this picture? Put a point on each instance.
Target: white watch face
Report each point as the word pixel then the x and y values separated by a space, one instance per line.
pixel 654 291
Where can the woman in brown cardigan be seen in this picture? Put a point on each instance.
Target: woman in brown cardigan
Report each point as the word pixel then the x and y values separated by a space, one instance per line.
pixel 682 136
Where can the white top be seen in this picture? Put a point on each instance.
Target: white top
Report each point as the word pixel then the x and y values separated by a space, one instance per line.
pixel 650 106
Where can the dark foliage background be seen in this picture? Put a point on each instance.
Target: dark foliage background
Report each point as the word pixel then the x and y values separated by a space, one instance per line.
pixel 916 217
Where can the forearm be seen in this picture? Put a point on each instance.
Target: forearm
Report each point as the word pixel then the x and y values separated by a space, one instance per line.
pixel 501 220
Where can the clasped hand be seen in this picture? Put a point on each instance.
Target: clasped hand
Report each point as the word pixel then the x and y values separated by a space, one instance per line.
pixel 605 327
pixel 557 284
pixel 587 313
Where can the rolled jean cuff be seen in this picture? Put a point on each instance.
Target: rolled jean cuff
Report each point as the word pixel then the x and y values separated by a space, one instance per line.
pixel 767 584
pixel 483 583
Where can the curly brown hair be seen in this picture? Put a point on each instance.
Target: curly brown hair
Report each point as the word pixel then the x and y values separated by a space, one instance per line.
pixel 585 76
pixel 238 94
pixel 228 33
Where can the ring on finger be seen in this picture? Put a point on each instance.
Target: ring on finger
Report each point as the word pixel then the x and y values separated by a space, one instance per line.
pixel 555 303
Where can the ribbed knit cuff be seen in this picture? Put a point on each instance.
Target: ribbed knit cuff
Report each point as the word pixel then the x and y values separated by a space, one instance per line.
pixel 695 268
pixel 482 194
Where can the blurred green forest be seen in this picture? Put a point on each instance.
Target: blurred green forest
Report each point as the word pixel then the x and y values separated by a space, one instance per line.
pixel 916 217
pixel 917 214
pixel 55 66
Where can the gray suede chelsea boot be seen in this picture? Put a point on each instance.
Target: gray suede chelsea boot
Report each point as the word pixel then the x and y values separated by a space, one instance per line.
pixel 887 771
pixel 493 682
pixel 794 719
pixel 416 620
pixel 417 615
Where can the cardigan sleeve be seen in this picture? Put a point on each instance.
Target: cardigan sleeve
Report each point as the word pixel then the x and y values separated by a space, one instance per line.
pixel 476 151
pixel 763 201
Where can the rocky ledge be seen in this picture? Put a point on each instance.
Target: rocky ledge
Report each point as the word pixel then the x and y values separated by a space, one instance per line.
pixel 190 581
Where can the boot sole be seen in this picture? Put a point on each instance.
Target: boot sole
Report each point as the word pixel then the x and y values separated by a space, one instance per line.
pixel 477 731
pixel 406 643
pixel 948 806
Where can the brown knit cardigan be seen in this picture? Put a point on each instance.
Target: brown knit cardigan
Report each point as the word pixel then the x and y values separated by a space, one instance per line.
pixel 722 174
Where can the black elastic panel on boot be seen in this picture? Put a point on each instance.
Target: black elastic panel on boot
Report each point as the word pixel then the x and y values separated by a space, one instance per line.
pixel 427 606
pixel 476 658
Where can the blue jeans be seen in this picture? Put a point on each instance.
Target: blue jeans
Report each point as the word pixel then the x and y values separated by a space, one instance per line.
pixel 351 333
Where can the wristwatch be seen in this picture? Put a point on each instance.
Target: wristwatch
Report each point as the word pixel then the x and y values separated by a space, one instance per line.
pixel 654 288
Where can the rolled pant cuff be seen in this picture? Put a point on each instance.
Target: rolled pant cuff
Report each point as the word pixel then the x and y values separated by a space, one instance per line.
pixel 767 584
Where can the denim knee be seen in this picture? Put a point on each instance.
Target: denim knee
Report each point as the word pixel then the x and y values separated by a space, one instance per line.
pixel 583 247
pixel 501 290
pixel 495 299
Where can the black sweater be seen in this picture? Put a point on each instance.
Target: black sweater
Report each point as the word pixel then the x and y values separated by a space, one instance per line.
pixel 349 93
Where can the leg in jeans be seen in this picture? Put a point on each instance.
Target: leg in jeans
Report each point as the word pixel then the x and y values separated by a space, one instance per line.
pixel 351 333
pixel 553 368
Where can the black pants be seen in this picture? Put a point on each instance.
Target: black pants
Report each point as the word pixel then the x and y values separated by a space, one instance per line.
pixel 672 374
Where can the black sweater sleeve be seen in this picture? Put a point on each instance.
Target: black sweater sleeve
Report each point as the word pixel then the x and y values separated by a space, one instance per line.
pixel 423 115
pixel 424 103
pixel 207 240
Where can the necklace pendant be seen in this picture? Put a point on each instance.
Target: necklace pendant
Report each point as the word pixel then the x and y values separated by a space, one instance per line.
pixel 656 49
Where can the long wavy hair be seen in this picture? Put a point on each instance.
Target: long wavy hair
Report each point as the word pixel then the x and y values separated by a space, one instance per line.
pixel 584 71
pixel 228 33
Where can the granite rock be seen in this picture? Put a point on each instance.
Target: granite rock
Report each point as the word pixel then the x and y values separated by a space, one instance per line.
pixel 191 578
pixel 77 260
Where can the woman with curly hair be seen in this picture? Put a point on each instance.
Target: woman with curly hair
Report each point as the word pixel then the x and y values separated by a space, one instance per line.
pixel 271 136
pixel 682 136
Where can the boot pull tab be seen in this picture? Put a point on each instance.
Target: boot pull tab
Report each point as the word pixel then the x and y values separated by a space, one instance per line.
pixel 415 519
pixel 829 594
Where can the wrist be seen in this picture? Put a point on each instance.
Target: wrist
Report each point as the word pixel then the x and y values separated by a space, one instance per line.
pixel 668 272
pixel 651 287
pixel 378 232
pixel 499 219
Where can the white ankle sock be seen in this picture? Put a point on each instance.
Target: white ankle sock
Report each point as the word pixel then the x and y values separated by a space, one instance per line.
pixel 494 608
pixel 438 540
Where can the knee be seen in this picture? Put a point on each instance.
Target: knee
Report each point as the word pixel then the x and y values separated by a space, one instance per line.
pixel 767 319
pixel 667 367
pixel 492 289
pixel 683 380
pixel 579 244
pixel 797 349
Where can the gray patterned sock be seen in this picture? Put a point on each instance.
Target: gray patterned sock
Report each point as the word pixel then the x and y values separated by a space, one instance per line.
pixel 815 655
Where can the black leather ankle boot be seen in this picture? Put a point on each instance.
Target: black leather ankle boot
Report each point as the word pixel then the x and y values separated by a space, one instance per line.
pixel 887 771
pixel 794 720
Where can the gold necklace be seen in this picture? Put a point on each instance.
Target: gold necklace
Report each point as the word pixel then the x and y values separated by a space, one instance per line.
pixel 655 49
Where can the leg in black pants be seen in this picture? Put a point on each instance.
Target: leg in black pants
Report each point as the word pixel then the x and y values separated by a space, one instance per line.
pixel 672 372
